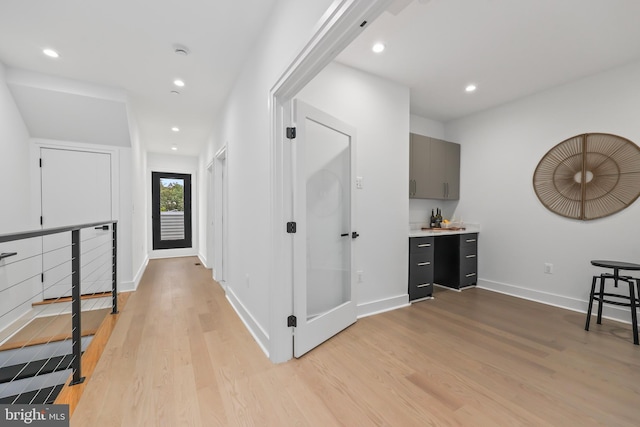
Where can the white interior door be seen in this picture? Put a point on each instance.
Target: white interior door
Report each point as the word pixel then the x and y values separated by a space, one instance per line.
pixel 324 300
pixel 75 190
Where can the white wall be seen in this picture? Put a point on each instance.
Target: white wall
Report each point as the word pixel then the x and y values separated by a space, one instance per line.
pixel 139 213
pixel 379 110
pixel 177 164
pixel 15 214
pixel 500 151
pixel 244 127
pixel 14 160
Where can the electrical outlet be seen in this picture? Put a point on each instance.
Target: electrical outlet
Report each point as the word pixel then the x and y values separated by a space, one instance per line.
pixel 359 274
pixel 548 268
pixel 359 182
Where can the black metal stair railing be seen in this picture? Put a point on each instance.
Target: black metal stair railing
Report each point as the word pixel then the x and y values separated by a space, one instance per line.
pixel 40 271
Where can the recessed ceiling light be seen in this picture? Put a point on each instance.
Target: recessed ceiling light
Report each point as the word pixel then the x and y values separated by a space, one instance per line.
pixel 51 53
pixel 175 129
pixel 174 148
pixel 178 83
pixel 470 88
pixel 378 47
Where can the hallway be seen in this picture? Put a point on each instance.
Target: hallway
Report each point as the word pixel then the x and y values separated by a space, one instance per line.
pixel 180 356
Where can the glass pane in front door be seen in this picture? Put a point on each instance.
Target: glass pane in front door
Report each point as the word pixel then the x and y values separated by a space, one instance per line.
pixel 328 215
pixel 171 209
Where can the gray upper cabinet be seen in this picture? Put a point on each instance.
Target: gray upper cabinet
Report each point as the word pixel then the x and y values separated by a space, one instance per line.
pixel 434 168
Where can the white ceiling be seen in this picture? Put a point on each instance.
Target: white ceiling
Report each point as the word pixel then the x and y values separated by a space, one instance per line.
pixel 509 48
pixel 129 45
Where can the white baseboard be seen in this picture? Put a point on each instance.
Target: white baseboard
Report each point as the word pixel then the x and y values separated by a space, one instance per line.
pixel 133 285
pixel 608 311
pixel 203 261
pixel 172 253
pixel 380 306
pixel 258 333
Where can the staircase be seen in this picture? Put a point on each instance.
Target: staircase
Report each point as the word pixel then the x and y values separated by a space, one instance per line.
pixel 36 374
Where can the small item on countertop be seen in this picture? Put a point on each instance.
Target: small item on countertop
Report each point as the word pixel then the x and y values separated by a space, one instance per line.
pixel 438 218
pixel 432 220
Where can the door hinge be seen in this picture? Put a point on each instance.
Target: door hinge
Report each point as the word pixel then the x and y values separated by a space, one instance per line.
pixel 291 227
pixel 292 321
pixel 41 220
pixel 40 162
pixel 42 277
pixel 291 133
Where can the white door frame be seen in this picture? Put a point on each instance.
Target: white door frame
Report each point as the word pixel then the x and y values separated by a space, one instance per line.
pixel 220 221
pixel 209 217
pixel 340 25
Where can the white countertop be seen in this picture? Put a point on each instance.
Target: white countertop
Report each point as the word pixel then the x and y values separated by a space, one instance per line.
pixel 470 228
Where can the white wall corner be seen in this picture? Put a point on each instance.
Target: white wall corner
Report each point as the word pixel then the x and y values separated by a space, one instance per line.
pixel 130 286
pixel 250 322
pixel 387 304
pixel 203 260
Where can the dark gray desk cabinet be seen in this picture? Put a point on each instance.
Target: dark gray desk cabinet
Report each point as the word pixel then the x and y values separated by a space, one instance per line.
pixel 456 260
pixel 420 267
pixel 449 260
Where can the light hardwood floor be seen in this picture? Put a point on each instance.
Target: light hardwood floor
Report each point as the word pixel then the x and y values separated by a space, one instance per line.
pixel 179 356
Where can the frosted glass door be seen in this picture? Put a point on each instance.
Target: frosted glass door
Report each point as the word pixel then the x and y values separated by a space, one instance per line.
pixel 323 289
pixel 328 162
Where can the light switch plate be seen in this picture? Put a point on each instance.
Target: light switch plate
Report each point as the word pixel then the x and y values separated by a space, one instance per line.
pixel 359 183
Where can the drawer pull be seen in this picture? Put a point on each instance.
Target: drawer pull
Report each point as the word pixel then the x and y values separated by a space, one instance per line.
pixel 424 285
pixel 470 240
pixel 422 264
pixel 470 275
pixel 470 256
pixel 424 245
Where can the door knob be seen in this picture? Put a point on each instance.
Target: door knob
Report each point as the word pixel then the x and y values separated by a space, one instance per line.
pixel 344 234
pixel 354 235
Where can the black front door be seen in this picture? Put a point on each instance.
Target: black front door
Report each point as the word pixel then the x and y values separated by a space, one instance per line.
pixel 171 205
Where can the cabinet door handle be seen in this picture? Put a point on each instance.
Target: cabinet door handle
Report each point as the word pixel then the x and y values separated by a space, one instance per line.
pixel 470 240
pixel 471 256
pixel 470 275
pixel 423 285
pixel 415 187
pixel 4 255
pixel 422 264
pixel 424 245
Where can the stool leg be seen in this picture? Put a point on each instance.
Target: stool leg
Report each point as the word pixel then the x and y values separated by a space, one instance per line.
pixel 601 298
pixel 634 315
pixel 593 289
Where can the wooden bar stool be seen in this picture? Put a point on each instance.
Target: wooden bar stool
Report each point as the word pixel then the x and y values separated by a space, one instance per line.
pixel 634 292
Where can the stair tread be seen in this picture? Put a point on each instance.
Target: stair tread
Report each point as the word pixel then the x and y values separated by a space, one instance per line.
pixel 44 396
pixel 36 367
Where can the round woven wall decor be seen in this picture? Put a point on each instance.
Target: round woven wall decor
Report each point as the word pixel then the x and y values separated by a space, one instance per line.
pixel 589 176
